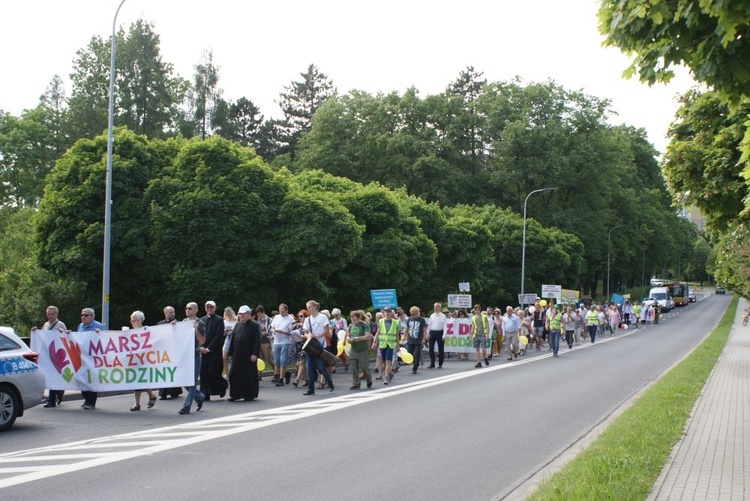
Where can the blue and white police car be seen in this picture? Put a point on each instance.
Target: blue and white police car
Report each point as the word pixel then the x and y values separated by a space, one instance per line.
pixel 21 379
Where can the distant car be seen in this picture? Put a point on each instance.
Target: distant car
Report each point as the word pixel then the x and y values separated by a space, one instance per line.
pixel 21 379
pixel 720 290
pixel 691 297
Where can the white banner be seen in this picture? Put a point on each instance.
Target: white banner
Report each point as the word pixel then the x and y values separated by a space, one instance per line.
pixel 457 335
pixel 135 359
pixel 459 301
pixel 551 291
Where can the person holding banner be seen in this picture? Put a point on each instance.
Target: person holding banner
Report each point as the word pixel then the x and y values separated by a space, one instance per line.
pixel 317 329
pixel 479 331
pixel 89 323
pixel 169 318
pixel 199 328
pixel 244 349
pixel 136 322
pixel 436 326
pixel 53 323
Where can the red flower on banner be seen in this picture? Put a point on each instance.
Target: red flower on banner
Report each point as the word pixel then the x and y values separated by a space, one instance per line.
pixel 58 357
pixel 74 352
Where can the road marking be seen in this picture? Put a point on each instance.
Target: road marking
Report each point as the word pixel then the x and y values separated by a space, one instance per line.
pixel 95 452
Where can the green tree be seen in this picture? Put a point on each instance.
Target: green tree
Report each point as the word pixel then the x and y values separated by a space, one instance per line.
pixel 146 91
pixel 701 161
pixel 25 288
pixel 707 37
pixel 205 95
pixel 299 102
pixel 240 121
pixel 69 227
pixel 27 153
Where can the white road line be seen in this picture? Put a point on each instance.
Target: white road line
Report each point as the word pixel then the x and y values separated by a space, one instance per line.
pixel 152 441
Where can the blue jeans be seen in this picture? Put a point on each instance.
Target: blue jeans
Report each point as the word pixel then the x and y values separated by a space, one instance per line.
pixel 192 391
pixel 281 354
pixel 554 338
pixel 592 332
pixel 316 365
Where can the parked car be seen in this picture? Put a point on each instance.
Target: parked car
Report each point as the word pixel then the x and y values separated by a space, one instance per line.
pixel 691 297
pixel 720 290
pixel 21 379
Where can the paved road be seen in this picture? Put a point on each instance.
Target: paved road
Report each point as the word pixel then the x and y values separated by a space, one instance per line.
pixel 457 433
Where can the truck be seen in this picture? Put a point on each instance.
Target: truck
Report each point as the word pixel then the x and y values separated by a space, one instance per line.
pixel 661 295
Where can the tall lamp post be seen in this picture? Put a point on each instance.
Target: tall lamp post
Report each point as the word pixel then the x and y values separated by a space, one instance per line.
pixel 108 194
pixel 523 245
pixel 609 235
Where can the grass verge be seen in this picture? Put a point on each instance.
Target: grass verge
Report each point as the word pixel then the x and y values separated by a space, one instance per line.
pixel 626 459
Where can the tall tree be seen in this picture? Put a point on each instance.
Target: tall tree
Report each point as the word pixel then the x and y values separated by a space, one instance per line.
pixel 54 99
pixel 299 102
pixel 240 121
pixel 146 90
pixel 205 95
pixel 465 127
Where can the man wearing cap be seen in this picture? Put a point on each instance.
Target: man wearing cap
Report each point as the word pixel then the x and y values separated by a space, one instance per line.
pixel 244 349
pixel 212 363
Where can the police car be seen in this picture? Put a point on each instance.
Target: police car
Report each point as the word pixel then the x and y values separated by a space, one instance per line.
pixel 21 379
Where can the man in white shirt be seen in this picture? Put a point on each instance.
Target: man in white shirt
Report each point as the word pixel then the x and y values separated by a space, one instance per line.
pixel 436 326
pixel 511 326
pixel 281 327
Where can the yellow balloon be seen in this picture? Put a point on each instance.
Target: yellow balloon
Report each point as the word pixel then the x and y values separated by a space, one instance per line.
pixel 406 357
pixel 340 349
pixel 261 365
pixel 523 340
pixel 543 302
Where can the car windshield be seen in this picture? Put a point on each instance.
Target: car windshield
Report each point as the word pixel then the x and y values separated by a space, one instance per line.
pixel 660 296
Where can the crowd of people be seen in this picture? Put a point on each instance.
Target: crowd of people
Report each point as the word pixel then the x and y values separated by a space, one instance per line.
pixel 303 349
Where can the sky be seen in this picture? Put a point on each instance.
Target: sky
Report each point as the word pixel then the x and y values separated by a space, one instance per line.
pixel 383 46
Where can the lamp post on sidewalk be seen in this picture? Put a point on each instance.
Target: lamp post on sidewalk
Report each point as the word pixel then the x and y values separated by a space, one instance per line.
pixel 523 245
pixel 108 190
pixel 609 235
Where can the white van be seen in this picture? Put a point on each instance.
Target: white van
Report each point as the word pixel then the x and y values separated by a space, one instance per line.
pixel 661 294
pixel 657 282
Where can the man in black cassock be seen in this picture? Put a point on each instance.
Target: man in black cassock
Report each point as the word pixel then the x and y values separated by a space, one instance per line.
pixel 244 350
pixel 212 363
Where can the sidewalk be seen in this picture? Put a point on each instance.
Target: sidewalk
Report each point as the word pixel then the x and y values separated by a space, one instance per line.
pixel 712 461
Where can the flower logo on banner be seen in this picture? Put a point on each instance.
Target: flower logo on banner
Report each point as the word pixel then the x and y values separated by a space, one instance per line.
pixel 62 359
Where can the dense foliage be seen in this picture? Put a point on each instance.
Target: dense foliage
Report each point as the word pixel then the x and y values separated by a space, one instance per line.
pixel 344 194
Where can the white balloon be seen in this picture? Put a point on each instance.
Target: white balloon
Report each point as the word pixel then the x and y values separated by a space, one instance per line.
pixel 341 334
pixel 532 309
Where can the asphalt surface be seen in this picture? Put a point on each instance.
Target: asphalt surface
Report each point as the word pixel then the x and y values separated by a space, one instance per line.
pixel 455 433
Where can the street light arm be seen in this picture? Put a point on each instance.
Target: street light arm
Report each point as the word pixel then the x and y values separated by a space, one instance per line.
pixel 523 245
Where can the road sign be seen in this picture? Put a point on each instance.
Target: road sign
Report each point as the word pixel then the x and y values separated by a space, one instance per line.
pixel 459 301
pixel 383 297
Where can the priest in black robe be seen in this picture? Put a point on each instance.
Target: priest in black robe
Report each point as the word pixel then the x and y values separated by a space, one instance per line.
pixel 244 350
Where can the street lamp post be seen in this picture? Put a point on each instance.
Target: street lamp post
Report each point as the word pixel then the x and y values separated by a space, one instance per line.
pixel 523 245
pixel 108 193
pixel 609 235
